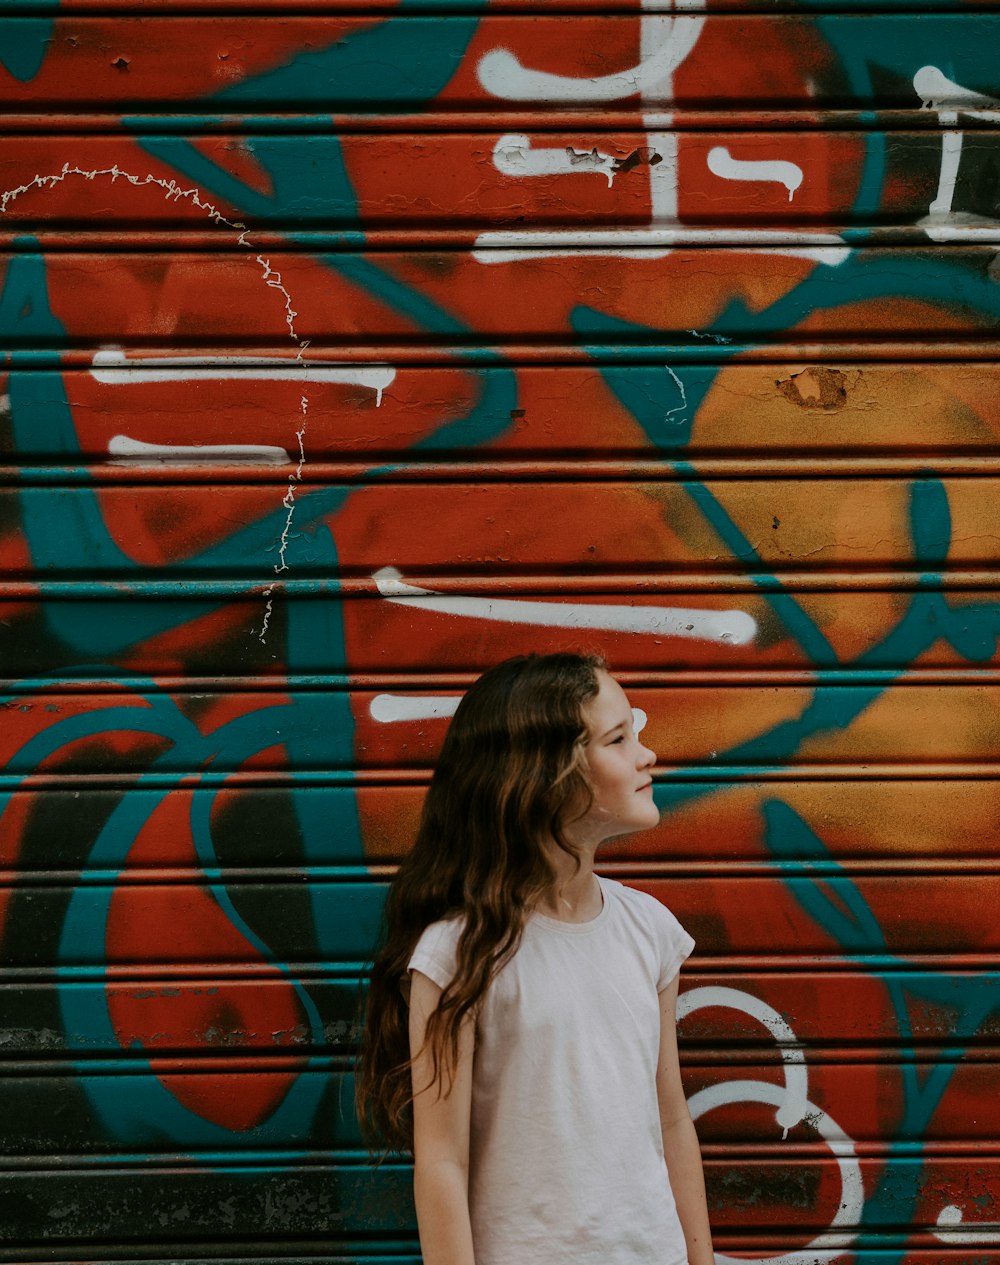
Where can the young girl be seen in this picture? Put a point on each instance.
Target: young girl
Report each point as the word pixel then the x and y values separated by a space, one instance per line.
pixel 521 1032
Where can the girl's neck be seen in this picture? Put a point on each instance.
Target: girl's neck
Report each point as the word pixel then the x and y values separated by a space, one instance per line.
pixel 576 894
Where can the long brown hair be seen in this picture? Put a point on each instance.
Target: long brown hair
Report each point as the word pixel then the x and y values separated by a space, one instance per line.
pixel 512 766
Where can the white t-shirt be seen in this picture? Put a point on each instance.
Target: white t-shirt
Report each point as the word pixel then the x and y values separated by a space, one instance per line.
pixel 566 1164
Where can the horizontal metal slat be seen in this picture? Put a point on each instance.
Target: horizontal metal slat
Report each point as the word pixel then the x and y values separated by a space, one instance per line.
pixel 334 1203
pixel 584 179
pixel 711 729
pixel 239 1113
pixel 642 292
pixel 438 7
pixel 212 1017
pixel 237 63
pixel 142 415
pixel 865 825
pixel 198 640
pixel 390 532
pixel 258 926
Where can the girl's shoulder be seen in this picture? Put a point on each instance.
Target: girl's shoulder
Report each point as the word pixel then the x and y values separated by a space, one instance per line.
pixel 636 901
pixel 436 952
pixel 651 921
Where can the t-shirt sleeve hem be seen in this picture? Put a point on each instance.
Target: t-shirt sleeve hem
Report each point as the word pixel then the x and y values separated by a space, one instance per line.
pixel 434 968
pixel 435 953
pixel 680 952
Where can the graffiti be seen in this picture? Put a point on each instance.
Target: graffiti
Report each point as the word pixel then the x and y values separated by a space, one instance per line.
pixel 793 1107
pixel 324 387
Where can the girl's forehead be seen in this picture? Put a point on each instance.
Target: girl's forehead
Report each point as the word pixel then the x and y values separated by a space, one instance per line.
pixel 608 706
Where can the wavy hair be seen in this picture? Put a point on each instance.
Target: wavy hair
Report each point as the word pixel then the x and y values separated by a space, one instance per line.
pixel 511 770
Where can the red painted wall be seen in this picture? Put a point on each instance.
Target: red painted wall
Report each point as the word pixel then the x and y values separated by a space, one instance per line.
pixel 344 355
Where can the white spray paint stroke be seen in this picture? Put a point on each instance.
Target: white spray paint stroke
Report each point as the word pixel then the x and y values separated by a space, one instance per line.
pixel 795 1103
pixel 722 164
pixel 513 155
pixel 950 1218
pixel 829 1246
pixel 942 224
pixel 793 1106
pixel 663 179
pixel 504 76
pixel 733 627
pixel 504 246
pixel 657 42
pixel 112 367
pixel 664 43
pixel 389 709
pixel 951 158
pixel 124 450
pixel 938 92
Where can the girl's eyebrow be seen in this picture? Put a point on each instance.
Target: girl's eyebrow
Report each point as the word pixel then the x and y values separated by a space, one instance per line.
pixel 614 728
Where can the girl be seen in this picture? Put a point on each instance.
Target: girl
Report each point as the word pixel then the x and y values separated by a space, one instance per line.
pixel 533 1067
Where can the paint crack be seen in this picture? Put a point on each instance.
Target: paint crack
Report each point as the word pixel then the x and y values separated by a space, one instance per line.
pixel 271 277
pixel 294 479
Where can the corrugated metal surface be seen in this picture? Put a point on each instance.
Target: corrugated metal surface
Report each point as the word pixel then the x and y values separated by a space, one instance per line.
pixel 347 352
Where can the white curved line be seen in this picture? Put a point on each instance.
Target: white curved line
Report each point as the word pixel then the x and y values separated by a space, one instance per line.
pixel 794 1105
pixel 829 1245
pixel 951 1217
pixel 665 42
pixel 513 155
pixel 722 164
pixel 731 627
pixel 938 92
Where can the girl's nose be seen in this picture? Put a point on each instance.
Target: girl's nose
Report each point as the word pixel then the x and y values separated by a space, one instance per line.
pixel 647 756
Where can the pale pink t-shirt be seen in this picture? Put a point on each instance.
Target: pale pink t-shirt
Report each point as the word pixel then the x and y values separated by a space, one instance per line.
pixel 566 1164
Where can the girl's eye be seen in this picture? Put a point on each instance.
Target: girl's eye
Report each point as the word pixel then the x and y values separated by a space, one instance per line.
pixel 620 738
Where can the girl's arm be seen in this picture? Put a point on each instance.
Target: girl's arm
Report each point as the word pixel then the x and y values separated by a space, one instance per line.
pixel 441 1117
pixel 680 1142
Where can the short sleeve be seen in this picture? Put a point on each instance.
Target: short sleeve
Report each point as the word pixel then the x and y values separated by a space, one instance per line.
pixel 675 945
pixel 436 952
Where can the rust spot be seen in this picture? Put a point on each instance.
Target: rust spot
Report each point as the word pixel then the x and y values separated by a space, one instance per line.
pixel 120 63
pixel 516 413
pixel 816 387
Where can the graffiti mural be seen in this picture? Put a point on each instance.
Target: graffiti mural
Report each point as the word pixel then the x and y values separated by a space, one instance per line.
pixel 345 355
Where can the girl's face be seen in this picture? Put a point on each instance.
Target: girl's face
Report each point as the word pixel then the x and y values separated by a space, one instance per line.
pixel 619 768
